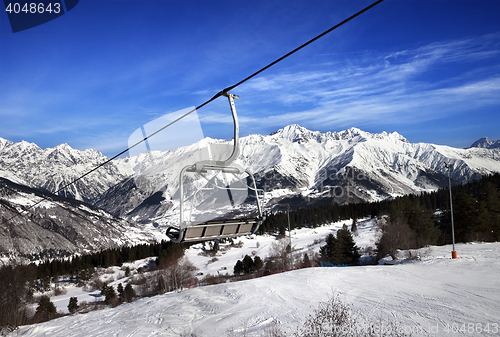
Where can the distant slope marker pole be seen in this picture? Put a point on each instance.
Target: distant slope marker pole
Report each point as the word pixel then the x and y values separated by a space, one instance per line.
pixel 453 252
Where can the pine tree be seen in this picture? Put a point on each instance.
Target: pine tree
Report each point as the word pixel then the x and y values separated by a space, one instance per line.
pixel 46 310
pixel 340 250
pixel 258 263
pixel 347 252
pixel 119 288
pixel 129 293
pixel 109 293
pixel 73 305
pixel 248 265
pixel 307 261
pixel 238 268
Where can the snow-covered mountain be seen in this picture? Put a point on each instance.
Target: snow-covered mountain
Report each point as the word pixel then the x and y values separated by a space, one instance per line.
pixel 50 169
pixel 486 143
pixel 57 225
pixel 350 166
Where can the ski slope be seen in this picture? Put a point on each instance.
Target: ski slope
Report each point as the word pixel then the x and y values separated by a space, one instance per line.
pixel 424 295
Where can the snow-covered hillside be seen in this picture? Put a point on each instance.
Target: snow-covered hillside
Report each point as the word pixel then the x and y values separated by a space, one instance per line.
pixel 426 295
pixel 57 226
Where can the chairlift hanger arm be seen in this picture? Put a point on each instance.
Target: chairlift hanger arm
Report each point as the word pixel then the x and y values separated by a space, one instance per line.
pixel 211 230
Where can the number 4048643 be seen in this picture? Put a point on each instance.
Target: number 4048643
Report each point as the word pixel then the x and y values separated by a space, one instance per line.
pixel 33 8
pixel 471 328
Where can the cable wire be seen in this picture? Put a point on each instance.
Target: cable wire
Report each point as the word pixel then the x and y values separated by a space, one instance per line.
pixel 220 93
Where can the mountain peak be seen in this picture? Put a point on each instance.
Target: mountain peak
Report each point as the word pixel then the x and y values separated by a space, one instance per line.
pixel 294 133
pixel 4 143
pixel 63 147
pixel 26 146
pixel 486 143
pixel 292 128
pixel 297 133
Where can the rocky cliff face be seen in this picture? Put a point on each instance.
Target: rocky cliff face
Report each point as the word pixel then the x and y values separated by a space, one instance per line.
pixel 56 225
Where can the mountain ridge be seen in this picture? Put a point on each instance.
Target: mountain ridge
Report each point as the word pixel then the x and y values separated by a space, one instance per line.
pixel 485 142
pixel 290 161
pixel 347 166
pixel 52 168
pixel 57 226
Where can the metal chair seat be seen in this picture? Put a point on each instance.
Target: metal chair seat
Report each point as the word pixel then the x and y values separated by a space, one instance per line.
pixel 215 229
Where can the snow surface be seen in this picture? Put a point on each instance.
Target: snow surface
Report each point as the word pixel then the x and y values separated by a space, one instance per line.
pixel 425 295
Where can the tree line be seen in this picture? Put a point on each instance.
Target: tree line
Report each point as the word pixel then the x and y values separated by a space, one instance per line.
pixel 476 208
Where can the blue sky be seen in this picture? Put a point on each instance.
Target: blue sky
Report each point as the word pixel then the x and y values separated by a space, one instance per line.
pixel 429 70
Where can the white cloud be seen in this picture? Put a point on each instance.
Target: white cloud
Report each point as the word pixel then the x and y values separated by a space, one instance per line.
pixel 405 86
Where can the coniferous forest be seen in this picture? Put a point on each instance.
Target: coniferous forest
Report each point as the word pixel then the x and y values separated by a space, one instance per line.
pixel 476 210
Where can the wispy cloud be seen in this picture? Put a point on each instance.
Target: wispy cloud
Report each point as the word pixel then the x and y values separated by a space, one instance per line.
pixel 404 86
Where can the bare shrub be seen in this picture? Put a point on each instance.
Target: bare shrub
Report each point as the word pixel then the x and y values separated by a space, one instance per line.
pixel 368 250
pixel 413 254
pixel 239 244
pixel 180 274
pixel 187 333
pixel 279 252
pixel 329 319
pixel 95 283
pixel 274 330
pixel 60 291
pixel 338 319
pixel 85 307
pixel 396 234
pixel 139 280
pixel 210 279
pixel 212 260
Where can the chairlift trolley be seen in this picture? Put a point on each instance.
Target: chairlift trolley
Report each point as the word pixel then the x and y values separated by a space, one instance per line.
pixel 217 229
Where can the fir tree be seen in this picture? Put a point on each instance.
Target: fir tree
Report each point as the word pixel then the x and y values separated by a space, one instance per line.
pixel 109 293
pixel 46 310
pixel 258 263
pixel 129 293
pixel 119 288
pixel 73 305
pixel 354 226
pixel 238 268
pixel 347 252
pixel 248 265
pixel 340 250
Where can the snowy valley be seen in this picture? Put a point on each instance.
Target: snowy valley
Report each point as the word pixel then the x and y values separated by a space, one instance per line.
pixel 430 295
